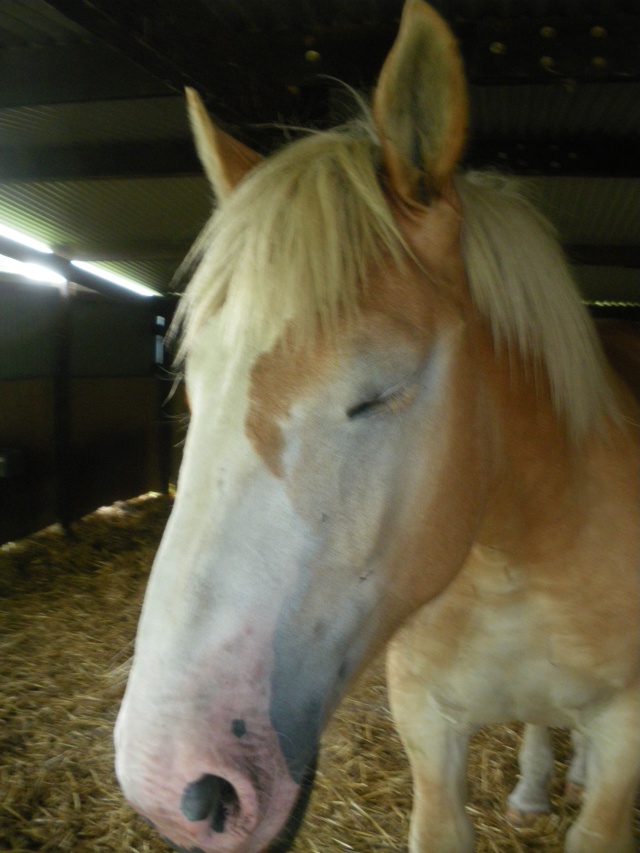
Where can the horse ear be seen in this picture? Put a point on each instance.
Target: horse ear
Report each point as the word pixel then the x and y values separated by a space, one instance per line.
pixel 420 106
pixel 225 160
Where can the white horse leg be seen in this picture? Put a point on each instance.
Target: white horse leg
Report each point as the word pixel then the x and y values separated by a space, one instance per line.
pixel 530 797
pixel 437 750
pixel 577 773
pixel 605 822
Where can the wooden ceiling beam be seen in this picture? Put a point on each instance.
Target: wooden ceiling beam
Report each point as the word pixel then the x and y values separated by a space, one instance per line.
pixel 594 156
pixel 157 158
pixel 59 74
pixel 599 157
pixel 258 70
pixel 179 44
pixel 604 256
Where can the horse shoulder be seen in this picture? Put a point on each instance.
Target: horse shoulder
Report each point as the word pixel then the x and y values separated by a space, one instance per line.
pixel 503 628
pixel 477 646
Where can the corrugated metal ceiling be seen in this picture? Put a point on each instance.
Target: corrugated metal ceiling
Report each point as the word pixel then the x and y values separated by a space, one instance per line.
pixel 590 210
pixel 94 150
pixel 112 219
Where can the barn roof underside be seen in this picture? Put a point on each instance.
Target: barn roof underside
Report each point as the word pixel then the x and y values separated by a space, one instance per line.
pixel 95 154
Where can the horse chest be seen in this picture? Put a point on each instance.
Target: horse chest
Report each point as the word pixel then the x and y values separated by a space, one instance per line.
pixel 487 651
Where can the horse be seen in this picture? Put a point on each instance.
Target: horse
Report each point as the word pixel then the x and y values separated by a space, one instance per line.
pixel 404 433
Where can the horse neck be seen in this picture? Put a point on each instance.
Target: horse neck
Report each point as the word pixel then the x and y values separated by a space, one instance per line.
pixel 536 472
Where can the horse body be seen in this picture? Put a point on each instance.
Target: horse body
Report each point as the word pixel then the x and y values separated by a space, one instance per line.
pixel 402 426
pixel 540 625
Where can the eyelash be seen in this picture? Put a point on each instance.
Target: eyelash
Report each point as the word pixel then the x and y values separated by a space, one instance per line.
pixel 392 402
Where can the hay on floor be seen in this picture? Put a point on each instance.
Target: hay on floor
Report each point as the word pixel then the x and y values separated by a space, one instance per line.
pixel 68 613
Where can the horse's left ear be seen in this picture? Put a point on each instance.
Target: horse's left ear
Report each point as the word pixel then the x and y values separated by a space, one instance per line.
pixel 225 160
pixel 420 106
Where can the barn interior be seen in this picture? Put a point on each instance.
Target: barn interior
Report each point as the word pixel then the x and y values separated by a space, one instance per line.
pixel 97 166
pixel 101 197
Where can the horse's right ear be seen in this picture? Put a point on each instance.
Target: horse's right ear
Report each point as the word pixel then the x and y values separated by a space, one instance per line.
pixel 225 160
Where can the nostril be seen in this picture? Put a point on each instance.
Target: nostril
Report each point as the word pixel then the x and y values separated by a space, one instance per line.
pixel 200 798
pixel 212 798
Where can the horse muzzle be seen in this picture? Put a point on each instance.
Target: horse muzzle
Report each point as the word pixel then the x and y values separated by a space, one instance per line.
pixel 232 809
pixel 210 800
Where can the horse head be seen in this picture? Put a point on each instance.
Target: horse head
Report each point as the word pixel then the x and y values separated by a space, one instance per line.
pixel 330 483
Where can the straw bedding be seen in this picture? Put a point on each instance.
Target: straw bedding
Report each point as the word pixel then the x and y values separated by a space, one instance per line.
pixel 68 612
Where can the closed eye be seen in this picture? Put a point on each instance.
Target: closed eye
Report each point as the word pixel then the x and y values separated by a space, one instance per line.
pixel 362 408
pixel 391 402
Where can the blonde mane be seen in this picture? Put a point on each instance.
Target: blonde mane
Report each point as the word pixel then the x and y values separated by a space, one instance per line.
pixel 521 282
pixel 293 244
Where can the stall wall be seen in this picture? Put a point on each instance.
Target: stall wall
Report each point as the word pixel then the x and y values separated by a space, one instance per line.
pixel 80 405
pixel 29 317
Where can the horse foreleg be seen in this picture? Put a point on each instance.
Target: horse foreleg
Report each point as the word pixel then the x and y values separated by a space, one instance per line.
pixel 605 821
pixel 437 750
pixel 577 773
pixel 530 797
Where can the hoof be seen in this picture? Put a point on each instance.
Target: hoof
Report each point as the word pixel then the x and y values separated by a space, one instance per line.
pixel 573 793
pixel 520 819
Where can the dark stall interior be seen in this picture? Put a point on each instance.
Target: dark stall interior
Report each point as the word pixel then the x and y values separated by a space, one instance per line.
pixel 82 421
